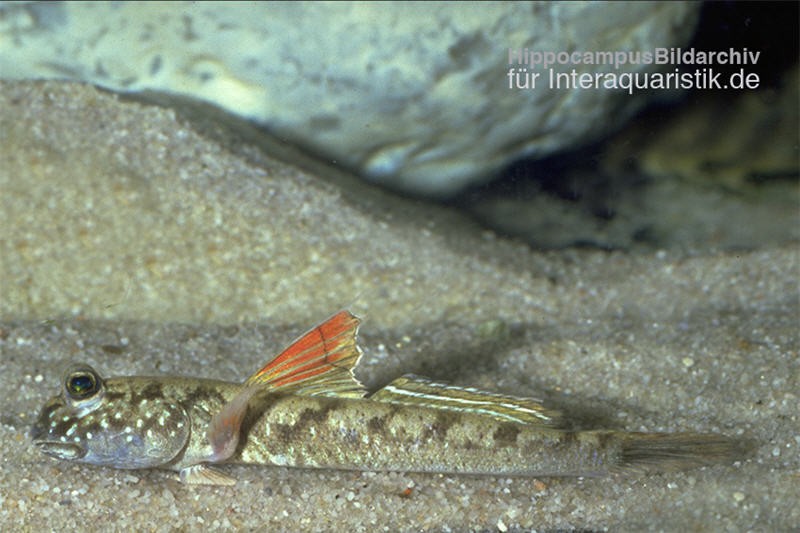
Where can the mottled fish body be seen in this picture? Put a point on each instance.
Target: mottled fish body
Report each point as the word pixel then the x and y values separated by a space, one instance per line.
pixel 306 409
pixel 318 432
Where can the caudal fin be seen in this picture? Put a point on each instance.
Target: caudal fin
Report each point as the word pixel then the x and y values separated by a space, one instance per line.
pixel 670 452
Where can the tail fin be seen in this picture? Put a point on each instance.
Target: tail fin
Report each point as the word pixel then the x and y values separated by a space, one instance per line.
pixel 670 452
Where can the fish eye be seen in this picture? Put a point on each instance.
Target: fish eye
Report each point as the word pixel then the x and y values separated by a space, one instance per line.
pixel 81 384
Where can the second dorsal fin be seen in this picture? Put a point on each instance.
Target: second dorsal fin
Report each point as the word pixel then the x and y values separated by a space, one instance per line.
pixel 415 390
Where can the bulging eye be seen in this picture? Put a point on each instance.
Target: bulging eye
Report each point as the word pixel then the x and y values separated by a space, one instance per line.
pixel 82 384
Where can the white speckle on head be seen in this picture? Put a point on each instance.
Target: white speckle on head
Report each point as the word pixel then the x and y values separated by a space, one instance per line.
pixel 148 414
pixel 117 415
pixel 180 424
pixel 129 438
pixel 71 430
pixel 161 420
pixel 150 433
pixel 53 424
pixel 76 439
pixel 128 429
pixel 65 418
pixel 63 438
pixel 104 423
pixel 144 401
pixel 139 423
pixel 89 435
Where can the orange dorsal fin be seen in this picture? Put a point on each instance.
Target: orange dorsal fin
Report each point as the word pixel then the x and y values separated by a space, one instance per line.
pixel 319 363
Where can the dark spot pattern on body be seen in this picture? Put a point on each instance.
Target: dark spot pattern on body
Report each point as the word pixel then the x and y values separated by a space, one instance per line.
pixel 506 434
pixel 113 396
pixel 286 434
pixel 377 424
pixel 151 391
pixel 311 416
pixel 200 396
pixel 439 428
pixel 567 439
pixel 283 433
pixel 605 439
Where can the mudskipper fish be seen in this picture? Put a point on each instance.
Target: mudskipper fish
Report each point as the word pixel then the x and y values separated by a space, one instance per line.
pixel 305 408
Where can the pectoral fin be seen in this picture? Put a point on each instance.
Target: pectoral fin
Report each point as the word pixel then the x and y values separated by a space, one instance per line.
pixel 319 363
pixel 415 390
pixel 226 425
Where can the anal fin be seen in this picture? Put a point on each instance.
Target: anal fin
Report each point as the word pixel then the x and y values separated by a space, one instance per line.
pixel 415 390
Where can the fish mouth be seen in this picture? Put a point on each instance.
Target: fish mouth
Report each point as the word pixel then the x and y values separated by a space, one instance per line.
pixel 60 450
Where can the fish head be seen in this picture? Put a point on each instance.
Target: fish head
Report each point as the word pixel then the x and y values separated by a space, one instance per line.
pixel 122 422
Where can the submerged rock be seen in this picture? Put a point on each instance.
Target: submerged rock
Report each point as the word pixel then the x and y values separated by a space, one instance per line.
pixel 419 97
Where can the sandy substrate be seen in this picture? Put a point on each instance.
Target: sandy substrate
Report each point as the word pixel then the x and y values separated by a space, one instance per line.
pixel 144 243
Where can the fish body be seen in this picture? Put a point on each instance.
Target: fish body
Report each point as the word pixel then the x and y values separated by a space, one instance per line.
pixel 318 432
pixel 305 409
